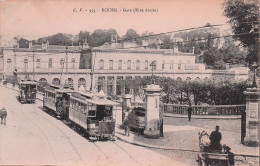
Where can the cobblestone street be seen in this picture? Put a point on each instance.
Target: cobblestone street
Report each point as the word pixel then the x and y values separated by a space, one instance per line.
pixel 33 137
pixel 180 134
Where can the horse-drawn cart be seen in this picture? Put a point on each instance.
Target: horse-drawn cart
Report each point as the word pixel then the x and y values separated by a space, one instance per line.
pixel 211 157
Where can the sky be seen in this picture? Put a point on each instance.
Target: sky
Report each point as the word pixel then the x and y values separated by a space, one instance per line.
pixel 32 19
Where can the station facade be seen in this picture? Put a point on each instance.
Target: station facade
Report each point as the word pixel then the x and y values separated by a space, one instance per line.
pixel 104 67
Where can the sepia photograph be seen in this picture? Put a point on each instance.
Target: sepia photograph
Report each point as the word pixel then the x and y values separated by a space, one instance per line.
pixel 129 82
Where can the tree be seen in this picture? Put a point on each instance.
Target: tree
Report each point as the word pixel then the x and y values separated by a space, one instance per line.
pixel 23 43
pixel 84 36
pixel 214 58
pixel 131 35
pixel 58 39
pixel 233 54
pixel 243 17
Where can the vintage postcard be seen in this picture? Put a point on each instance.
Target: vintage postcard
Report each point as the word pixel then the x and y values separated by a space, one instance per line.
pixel 129 82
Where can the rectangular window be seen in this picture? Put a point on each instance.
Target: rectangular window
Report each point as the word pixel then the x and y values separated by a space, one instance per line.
pixel 179 66
pixel 120 64
pixel 171 66
pixel 110 64
pixel 163 64
pixel 92 111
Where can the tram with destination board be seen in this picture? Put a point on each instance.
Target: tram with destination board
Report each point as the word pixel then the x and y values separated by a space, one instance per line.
pixel 93 113
pixel 56 99
pixel 27 90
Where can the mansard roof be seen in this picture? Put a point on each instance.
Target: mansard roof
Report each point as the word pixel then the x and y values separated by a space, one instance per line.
pixel 50 49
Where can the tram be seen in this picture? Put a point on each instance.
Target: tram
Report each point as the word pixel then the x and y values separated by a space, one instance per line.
pixel 93 113
pixel 27 91
pixel 56 99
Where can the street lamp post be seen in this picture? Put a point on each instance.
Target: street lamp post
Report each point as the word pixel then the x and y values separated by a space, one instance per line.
pixel 153 64
pixel 254 66
pixel 91 81
pixel 67 65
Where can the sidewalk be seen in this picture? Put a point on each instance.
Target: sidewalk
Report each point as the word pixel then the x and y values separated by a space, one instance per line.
pixel 177 141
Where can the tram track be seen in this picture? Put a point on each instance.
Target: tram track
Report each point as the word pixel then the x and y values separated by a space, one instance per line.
pixel 78 132
pixel 125 151
pixel 65 136
pixel 42 132
pixel 169 151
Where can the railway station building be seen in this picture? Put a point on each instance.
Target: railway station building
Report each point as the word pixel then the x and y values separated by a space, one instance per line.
pixel 104 67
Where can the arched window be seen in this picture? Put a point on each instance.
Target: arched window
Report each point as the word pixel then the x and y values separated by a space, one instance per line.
pixel 111 64
pixel 82 82
pixel 62 61
pixel 188 79
pixel 179 79
pixel 197 78
pixel 56 81
pixel 146 65
pixel 38 63
pixel 128 64
pixel 43 80
pixel 101 64
pixel 73 61
pixel 101 83
pixel 137 65
pixel 25 63
pixel 9 63
pixel 120 64
pixel 70 82
pixel 50 63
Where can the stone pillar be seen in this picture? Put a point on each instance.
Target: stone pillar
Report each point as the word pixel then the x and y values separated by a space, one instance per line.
pixel 126 104
pixel 252 114
pixel 152 93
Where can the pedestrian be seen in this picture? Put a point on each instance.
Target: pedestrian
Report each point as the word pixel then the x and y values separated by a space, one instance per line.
pixel 189 111
pixel 3 115
pixel 215 138
pixel 126 127
pixel 161 122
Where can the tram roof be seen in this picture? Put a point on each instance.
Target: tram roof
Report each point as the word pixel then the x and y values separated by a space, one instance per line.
pixel 95 100
pixel 64 90
pixel 28 82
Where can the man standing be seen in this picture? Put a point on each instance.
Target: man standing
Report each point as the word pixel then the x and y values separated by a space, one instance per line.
pixel 215 138
pixel 3 115
pixel 126 127
pixel 189 111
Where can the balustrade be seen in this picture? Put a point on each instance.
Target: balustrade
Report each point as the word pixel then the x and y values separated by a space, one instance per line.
pixel 205 110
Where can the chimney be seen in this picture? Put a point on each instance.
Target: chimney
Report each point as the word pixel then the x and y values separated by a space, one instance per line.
pixel 227 66
pixel 176 49
pixel 112 38
pixel 30 44
pixel 85 45
pixel 159 42
pixel 144 44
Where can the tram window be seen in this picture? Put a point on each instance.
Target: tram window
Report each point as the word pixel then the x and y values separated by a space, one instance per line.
pixel 76 105
pixel 85 109
pixel 71 103
pixel 92 113
pixel 92 110
pixel 81 108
